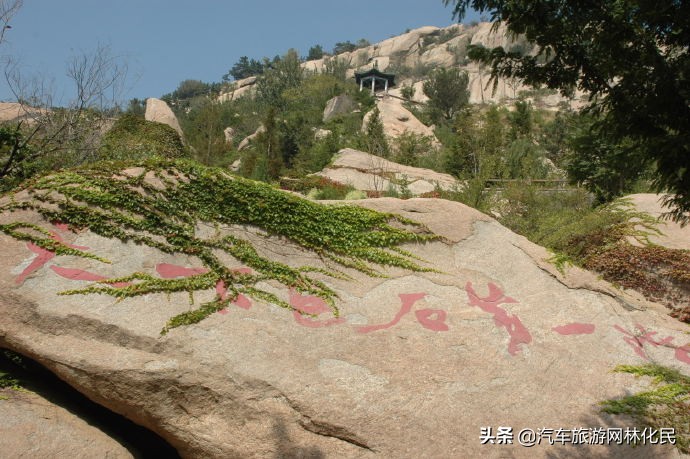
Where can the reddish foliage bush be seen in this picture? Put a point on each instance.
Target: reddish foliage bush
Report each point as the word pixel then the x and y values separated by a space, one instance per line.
pixel 430 194
pixel 659 273
pixel 312 181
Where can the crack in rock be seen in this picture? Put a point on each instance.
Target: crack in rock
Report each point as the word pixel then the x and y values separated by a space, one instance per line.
pixel 329 430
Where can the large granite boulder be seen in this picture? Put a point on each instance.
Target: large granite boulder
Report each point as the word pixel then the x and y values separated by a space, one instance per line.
pixel 367 172
pixel 396 120
pixel 247 141
pixel 157 110
pixel 417 364
pixel 237 89
pixel 338 105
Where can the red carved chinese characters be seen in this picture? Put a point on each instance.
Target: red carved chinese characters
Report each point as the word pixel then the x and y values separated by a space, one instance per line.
pixel 43 256
pixel 80 274
pixel 170 271
pixel 518 333
pixel 575 328
pixel 432 319
pixel 637 341
pixel 311 304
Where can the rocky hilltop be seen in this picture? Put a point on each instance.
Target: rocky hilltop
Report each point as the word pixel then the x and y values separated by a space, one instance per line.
pixel 470 329
pixel 413 54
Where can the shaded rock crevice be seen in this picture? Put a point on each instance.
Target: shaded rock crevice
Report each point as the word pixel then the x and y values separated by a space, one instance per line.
pixel 61 419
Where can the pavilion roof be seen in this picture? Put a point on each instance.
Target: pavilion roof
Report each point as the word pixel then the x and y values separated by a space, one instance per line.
pixel 374 72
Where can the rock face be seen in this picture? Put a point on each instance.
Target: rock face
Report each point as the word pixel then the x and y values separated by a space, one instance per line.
pixel 229 133
pixel 31 426
pixel 320 134
pixel 416 365
pixel 339 105
pixel 489 36
pixel 12 111
pixel 157 110
pixel 238 89
pixel 250 138
pixel 367 172
pixel 396 120
pixel 673 236
pixel 429 48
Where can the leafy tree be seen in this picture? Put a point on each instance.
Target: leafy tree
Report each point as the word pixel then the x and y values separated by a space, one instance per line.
pixel 463 155
pixel 525 160
pixel 606 167
pixel 447 92
pixel 362 43
pixel 374 139
pixel 203 126
pixel 521 122
pixel 476 148
pixel 344 47
pixel 407 92
pixel 410 147
pixel 14 150
pixel 554 135
pixel 336 67
pixel 136 107
pixel 188 89
pixel 244 68
pixel 479 54
pixel 268 146
pixel 315 52
pixel 286 73
pixel 630 56
pixel 318 155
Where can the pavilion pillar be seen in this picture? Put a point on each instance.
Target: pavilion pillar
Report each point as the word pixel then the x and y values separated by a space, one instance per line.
pixel 361 84
pixel 386 86
pixel 373 85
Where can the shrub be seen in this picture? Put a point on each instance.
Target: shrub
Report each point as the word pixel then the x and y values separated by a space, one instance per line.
pixel 599 240
pixel 355 194
pixel 134 138
pixel 410 147
pixel 317 187
pixel 407 92
pixel 666 404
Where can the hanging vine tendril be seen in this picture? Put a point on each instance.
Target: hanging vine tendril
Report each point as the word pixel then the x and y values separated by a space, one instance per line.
pixel 159 204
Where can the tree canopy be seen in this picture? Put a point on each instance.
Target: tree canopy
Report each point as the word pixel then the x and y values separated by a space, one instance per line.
pixel 630 56
pixel 244 68
pixel 447 92
pixel 315 52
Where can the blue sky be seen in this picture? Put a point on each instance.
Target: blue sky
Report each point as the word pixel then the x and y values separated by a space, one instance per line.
pixel 167 41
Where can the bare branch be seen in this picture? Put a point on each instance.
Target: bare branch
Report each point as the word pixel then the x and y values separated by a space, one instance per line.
pixel 66 133
pixel 8 8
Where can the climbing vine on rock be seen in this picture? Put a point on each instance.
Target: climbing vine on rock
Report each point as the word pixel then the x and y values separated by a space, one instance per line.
pixel 159 203
pixel 665 405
